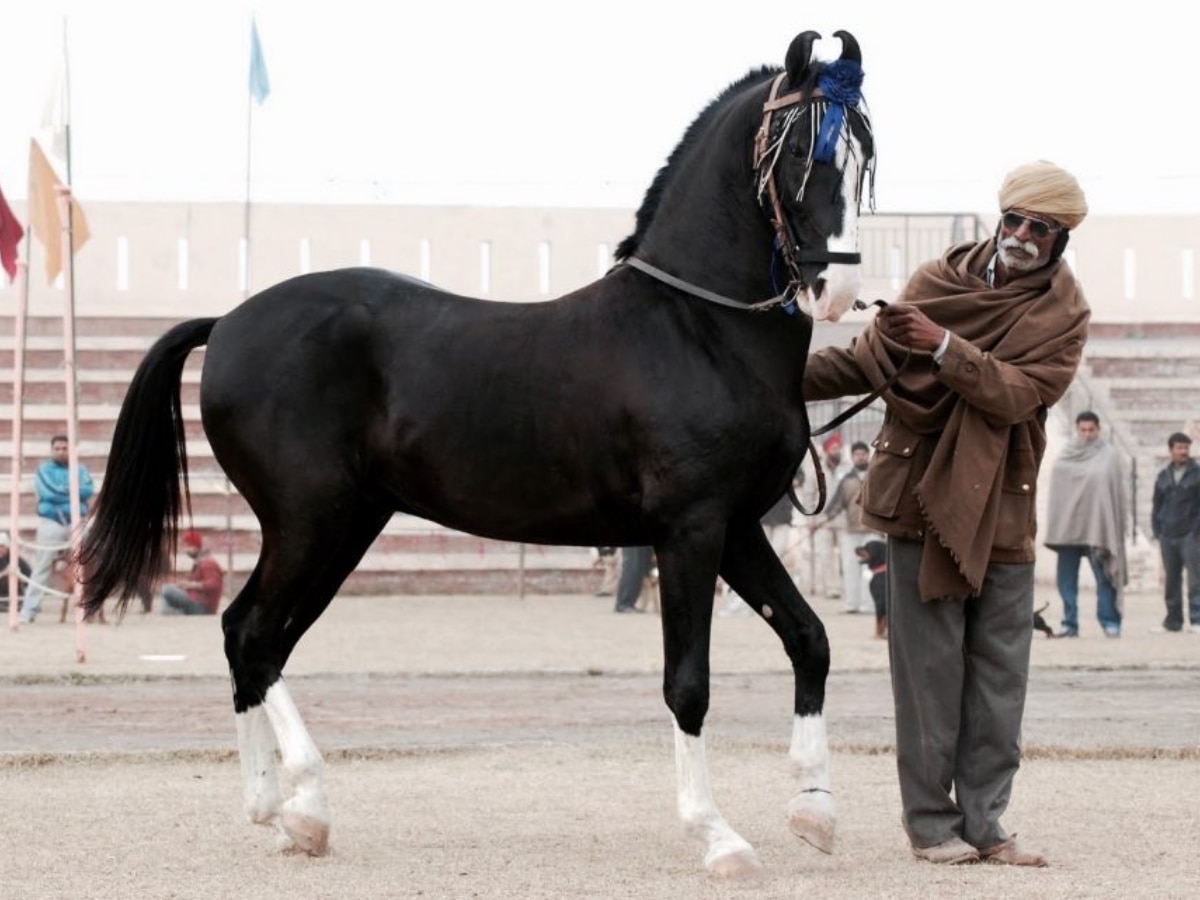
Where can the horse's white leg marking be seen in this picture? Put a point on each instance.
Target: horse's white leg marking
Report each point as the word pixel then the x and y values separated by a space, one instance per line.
pixel 727 853
pixel 305 815
pixel 261 797
pixel 811 813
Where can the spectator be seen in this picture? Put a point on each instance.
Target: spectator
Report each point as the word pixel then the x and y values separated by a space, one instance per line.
pixel 976 349
pixel 606 560
pixel 5 562
pixel 825 571
pixel 1175 523
pixel 52 484
pixel 856 597
pixel 635 566
pixel 200 594
pixel 1086 519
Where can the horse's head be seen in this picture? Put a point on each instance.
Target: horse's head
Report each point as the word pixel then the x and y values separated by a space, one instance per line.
pixel 813 158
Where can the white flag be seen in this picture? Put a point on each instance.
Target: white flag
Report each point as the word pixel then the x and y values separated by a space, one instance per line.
pixel 54 114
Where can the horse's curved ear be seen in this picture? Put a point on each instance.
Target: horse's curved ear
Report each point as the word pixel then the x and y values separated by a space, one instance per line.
pixel 799 56
pixel 850 48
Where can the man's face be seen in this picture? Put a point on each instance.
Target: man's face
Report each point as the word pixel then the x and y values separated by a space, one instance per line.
pixel 59 452
pixel 1180 452
pixel 1026 239
pixel 861 458
pixel 833 458
pixel 1087 431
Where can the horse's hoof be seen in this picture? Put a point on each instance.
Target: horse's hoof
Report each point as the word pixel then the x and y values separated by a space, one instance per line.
pixel 263 810
pixel 304 834
pixel 742 863
pixel 811 818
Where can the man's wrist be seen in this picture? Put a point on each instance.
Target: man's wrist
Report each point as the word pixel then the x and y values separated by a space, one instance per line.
pixel 940 353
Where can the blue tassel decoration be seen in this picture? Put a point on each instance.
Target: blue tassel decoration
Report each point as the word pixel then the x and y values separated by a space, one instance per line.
pixel 841 82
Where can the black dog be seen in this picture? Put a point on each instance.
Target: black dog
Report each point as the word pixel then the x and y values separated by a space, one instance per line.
pixel 1039 623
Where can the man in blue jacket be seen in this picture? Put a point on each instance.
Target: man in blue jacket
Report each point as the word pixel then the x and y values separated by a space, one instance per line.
pixel 52 484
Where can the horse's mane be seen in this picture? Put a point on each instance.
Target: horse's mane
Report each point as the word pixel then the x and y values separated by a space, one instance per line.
pixel 645 213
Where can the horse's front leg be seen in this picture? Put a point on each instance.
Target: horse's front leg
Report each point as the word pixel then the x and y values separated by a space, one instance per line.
pixel 752 568
pixel 687 577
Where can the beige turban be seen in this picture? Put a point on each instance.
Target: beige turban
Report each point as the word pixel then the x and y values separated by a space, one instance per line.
pixel 1042 187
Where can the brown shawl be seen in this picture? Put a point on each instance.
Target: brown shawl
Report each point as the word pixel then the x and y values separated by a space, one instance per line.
pixel 1037 323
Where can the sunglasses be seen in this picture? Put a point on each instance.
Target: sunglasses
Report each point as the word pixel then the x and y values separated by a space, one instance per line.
pixel 1039 229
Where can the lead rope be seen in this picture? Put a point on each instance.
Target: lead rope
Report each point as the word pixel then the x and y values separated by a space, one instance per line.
pixel 840 419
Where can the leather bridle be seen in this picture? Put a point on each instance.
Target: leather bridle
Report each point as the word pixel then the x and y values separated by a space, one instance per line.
pixel 766 155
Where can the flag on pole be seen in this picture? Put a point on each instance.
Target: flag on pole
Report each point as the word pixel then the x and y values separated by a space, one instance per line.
pixel 43 212
pixel 260 84
pixel 11 233
pixel 54 114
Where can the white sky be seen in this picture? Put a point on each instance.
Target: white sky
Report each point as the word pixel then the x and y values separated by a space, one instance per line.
pixel 561 103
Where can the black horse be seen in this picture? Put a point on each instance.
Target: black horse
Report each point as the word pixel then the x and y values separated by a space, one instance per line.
pixel 660 405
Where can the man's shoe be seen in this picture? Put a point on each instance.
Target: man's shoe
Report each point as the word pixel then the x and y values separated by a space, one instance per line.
pixel 1194 629
pixel 1066 633
pixel 1112 631
pixel 1011 853
pixel 951 852
pixel 627 609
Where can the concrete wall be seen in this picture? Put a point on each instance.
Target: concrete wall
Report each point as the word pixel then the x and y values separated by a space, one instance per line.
pixel 183 259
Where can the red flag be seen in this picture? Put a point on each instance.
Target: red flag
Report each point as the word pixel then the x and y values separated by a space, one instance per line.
pixel 11 233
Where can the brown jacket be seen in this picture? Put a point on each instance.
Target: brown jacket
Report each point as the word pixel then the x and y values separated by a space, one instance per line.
pixel 956 462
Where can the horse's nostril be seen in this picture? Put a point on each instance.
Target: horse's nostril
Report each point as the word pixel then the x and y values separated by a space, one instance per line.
pixel 818 288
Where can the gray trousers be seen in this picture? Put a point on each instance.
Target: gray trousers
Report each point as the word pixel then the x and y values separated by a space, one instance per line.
pixel 959 674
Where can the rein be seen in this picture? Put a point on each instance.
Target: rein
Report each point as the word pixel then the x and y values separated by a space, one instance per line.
pixel 712 297
pixel 840 419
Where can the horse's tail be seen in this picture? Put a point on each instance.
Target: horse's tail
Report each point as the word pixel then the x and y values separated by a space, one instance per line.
pixel 137 510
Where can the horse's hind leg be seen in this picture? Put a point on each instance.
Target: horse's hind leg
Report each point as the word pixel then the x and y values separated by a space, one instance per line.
pixel 295 579
pixel 752 569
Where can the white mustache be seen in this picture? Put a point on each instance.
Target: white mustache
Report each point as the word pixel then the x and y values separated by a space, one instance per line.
pixel 1029 247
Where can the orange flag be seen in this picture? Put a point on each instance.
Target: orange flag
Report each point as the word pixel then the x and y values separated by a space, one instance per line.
pixel 43 212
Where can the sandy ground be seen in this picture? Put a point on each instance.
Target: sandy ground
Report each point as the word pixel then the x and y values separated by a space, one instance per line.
pixel 504 748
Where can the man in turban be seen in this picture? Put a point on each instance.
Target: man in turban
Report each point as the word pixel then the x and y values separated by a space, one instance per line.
pixel 984 340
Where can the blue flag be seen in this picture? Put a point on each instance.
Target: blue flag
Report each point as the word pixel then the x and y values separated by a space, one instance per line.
pixel 260 84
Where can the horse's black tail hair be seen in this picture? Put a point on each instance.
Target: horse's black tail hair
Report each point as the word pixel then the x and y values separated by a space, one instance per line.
pixel 137 511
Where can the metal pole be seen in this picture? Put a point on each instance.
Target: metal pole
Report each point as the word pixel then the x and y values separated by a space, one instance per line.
pixel 70 380
pixel 18 437
pixel 521 571
pixel 71 385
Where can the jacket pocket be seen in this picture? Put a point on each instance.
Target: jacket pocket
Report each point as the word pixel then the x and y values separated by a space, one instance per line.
pixel 1015 522
pixel 889 478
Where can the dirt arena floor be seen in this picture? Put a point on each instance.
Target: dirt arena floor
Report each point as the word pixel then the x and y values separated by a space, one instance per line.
pixel 490 747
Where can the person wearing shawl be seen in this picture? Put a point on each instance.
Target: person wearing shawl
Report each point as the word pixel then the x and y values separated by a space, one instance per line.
pixel 984 340
pixel 1086 518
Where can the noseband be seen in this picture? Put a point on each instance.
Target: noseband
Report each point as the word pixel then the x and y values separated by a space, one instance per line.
pixel 766 155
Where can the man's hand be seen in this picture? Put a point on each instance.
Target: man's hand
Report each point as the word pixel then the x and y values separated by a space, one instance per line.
pixel 907 325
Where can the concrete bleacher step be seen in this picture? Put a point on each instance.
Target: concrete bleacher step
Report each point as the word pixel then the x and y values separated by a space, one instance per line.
pixel 96 387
